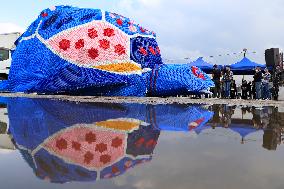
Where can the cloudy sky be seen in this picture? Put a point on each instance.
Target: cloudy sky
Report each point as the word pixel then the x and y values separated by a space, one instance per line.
pixel 185 28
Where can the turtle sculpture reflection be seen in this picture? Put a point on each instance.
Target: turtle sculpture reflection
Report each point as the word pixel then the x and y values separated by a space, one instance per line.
pixel 90 51
pixel 67 141
pixel 97 151
pixel 62 147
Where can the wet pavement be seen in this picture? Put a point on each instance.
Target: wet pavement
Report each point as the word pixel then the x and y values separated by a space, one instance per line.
pixel 152 100
pixel 48 143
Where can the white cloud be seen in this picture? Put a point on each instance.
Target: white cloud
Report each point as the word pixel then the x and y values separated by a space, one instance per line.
pixel 150 3
pixel 10 28
pixel 176 54
pixel 204 27
pixel 210 27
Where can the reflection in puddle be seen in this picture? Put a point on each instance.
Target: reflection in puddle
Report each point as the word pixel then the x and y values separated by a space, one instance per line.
pixel 66 141
pixel 6 144
pixel 248 120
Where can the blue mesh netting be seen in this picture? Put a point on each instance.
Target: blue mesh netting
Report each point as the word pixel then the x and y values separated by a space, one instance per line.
pixel 38 74
pixel 170 80
pixel 127 25
pixel 58 170
pixel 64 17
pixel 151 57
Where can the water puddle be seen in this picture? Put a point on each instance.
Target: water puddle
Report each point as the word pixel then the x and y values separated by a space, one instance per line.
pixel 47 143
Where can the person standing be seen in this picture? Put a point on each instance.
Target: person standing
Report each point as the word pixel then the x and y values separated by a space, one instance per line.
pixel 265 83
pixel 257 81
pixel 244 89
pixel 249 90
pixel 233 91
pixel 276 81
pixel 253 90
pixel 216 75
pixel 227 78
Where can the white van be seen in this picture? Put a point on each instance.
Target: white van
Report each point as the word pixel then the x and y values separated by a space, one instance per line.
pixel 6 45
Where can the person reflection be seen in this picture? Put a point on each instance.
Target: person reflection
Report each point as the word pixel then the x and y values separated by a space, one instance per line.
pixel 272 136
pixel 256 119
pixel 226 113
pixel 216 116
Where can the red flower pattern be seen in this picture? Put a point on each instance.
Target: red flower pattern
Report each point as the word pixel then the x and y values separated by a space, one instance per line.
pixel 198 75
pixel 88 157
pixel 79 44
pixel 108 32
pixel 116 142
pixel 139 142
pixel 158 50
pixel 101 147
pixel 92 33
pixel 93 53
pixel 152 50
pixel 119 49
pixel 61 144
pixel 105 158
pixel 119 22
pixel 104 44
pixel 44 14
pixel 76 146
pixel 142 30
pixel 90 137
pixel 201 76
pixel 115 170
pixel 151 143
pixel 143 51
pixel 64 44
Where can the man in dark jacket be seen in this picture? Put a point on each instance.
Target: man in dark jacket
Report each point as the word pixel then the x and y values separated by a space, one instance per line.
pixel 216 75
pixel 227 78
pixel 244 89
pixel 257 80
pixel 276 80
pixel 249 90
pixel 233 93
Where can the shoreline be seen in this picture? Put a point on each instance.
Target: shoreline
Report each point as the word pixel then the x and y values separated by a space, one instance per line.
pixel 148 100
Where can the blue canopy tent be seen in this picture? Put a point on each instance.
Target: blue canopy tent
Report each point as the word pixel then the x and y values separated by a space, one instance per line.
pixel 245 66
pixel 203 65
pixel 242 127
pixel 243 130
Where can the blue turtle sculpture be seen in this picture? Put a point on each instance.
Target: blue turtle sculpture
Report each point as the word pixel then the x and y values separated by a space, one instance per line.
pixel 89 51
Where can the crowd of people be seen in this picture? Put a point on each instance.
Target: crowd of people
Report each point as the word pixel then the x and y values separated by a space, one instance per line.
pixel 263 86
